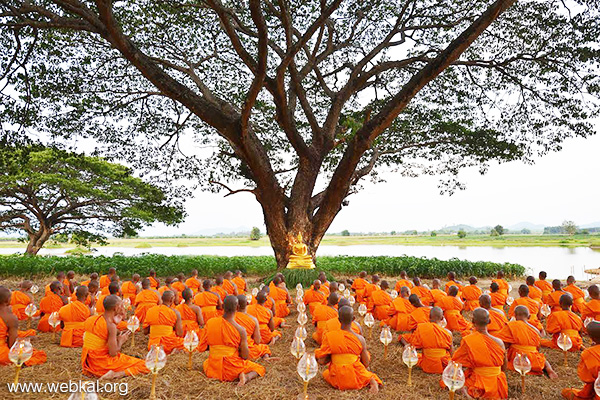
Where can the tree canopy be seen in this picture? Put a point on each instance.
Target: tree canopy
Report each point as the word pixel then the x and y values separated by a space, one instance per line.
pixel 297 102
pixel 46 192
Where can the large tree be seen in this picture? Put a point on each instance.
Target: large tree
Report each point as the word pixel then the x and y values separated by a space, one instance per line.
pixel 297 102
pixel 46 192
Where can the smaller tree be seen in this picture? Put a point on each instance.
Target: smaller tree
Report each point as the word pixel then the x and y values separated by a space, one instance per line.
pixel 500 229
pixel 255 234
pixel 494 232
pixel 569 227
pixel 345 232
pixel 462 234
pixel 525 231
pixel 433 233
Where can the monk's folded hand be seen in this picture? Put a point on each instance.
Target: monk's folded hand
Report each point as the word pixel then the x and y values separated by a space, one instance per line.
pixel 123 336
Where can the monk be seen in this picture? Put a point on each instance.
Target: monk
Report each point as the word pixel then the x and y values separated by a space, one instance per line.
pixel 314 297
pixel 553 299
pixel 281 296
pixel 502 284
pixel 453 282
pixel 420 313
pixel 322 314
pixel 52 302
pixel 105 279
pixel 435 341
pixel 359 285
pixel 193 282
pixel 145 300
pixel 498 298
pixel 577 293
pixel 191 314
pixel 89 300
pixel 114 289
pixel 436 293
pixel 564 321
pixel 524 338
pixel 154 282
pixel 9 332
pixel 533 307
pixel 113 279
pixel 101 356
pixel 588 367
pixel 130 288
pixel 93 288
pixel 591 309
pixel 163 324
pixel 218 288
pixel 471 294
pixel 484 357
pixel 403 281
pixel 543 285
pixel 497 317
pixel 347 357
pixel 178 285
pixel 60 277
pixel 20 299
pixel 250 324
pixel 452 307
pixel 334 324
pixel 210 302
pixel 69 283
pixel 93 277
pixel 381 302
pixel 227 343
pixel 400 310
pixel 264 315
pixel 228 284
pixel 534 292
pixel 169 286
pixel 72 317
pixel 421 291
pixel 240 282
pixel 371 287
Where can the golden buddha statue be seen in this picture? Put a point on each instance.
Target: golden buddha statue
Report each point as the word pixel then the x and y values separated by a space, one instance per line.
pixel 299 257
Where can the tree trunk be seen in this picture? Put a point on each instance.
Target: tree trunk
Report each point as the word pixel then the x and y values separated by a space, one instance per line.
pixel 37 241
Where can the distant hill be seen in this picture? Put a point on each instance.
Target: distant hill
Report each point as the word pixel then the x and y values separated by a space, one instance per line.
pixel 525 225
pixel 466 228
pixel 592 225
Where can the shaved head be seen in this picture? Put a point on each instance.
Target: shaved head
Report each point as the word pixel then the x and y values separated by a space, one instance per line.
pixel 593 330
pixel 523 290
pixel 571 279
pixel 317 285
pixel 333 299
pixel 472 280
pixel 404 291
pixel 346 315
pixel 500 274
pixel 542 275
pixel 414 300
pixel 242 302
pixel 530 280
pixel 594 292
pixel 417 281
pixel 230 304
pixel 93 286
pixel 451 276
pixel 111 302
pixel 385 285
pixel 4 296
pixel 485 301
pixel 261 297
pixel 333 287
pixel 556 285
pixel 70 274
pixel 375 278
pixel 207 284
pixel 187 294
pixel 453 291
pixel 219 280
pixel 343 302
pixel 113 287
pixel 436 314
pixel 566 301
pixel 55 287
pixel 135 277
pixel 435 283
pixel 26 285
pixel 481 317
pixel 168 296
pixel 82 292
pixel 521 313
pixel 94 276
pixel 494 287
pixel 145 283
pixel 362 274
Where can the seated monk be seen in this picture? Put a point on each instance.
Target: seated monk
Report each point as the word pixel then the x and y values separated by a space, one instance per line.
pixel 553 299
pixel 93 288
pixel 534 292
pixel 436 293
pixel 453 282
pixel 60 277
pixel 191 314
pixel 577 293
pixel 435 341
pixel 524 338
pixel 72 317
pixel 88 301
pixel 544 286
pixel 591 309
pixel 371 287
pixel 163 323
pixel 381 302
pixel 115 278
pixel 281 296
pixel 20 299
pixel 154 282
pixel 209 302
pixel 502 284
pixel 452 307
pixel 324 283
pixel 421 291
pixel 193 282
pixel 498 298
pixel 169 286
pixel 419 314
pixel 250 324
pixel 106 279
pixel 484 357
pixel 322 314
pixel 112 288
pixel 93 277
pixel 219 289
pixel 471 294
pixel 240 282
pixel 9 332
pixel 52 302
pixel 228 284
pixel 179 285
pixel 270 304
pixel 334 324
pixel 264 315
pixel 358 286
pixel 145 300
pixel 532 305
pixel 102 343
pixel 400 310
pixel 403 281
pixel 497 317
pixel 346 356
pixel 314 296
pixel 227 343
pixel 69 283
pixel 564 321
pixel 588 368
pixel 130 288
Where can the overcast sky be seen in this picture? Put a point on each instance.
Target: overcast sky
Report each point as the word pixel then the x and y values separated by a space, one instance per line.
pixel 557 187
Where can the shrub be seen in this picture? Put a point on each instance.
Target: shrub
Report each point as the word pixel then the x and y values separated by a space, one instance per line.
pixel 255 234
pixel 462 234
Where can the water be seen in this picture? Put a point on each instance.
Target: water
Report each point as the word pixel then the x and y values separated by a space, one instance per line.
pixel 559 262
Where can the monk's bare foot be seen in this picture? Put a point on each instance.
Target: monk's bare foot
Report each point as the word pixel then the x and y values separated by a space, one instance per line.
pixel 112 375
pixel 373 386
pixel 269 358
pixel 272 342
pixel 284 325
pixel 551 373
pixel 242 379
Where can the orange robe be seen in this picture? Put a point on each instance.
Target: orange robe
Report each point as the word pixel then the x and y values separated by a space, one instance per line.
pixel 38 357
pixel 471 296
pixel 145 300
pixel 220 291
pixel 591 310
pixel 587 372
pixel 334 324
pixel 161 320
pixel 453 283
pixel 553 300
pixel 523 339
pixel 49 304
pixel 312 298
pixel 381 302
pixel 228 286
pixel 399 312
pixel 533 307
pixel 86 283
pixel 452 307
pixel 224 362
pixel 436 343
pixel 564 322
pixel 483 359
pixel 208 302
pixel 498 321
pixel 189 319
pixel 256 350
pixel 73 316
pixel 359 285
pixel 280 296
pixel 153 282
pixel 545 287
pixel 87 301
pixel 578 297
pixel 369 291
pixel 241 284
pixel 129 291
pixel 193 283
pixel 179 288
pixel 402 283
pixel 105 291
pixel 18 302
pixel 437 295
pixel 498 299
pixel 95 359
pixel 345 371
pixel 104 281
pixel 503 285
pixel 424 295
pixel 535 293
pixel 322 314
pixel 263 315
pixel 420 315
pixel 100 304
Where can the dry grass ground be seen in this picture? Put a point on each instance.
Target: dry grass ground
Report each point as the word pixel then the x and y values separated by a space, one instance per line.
pixel 281 381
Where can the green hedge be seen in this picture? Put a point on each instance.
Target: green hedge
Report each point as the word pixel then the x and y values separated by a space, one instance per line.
pixel 16 265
